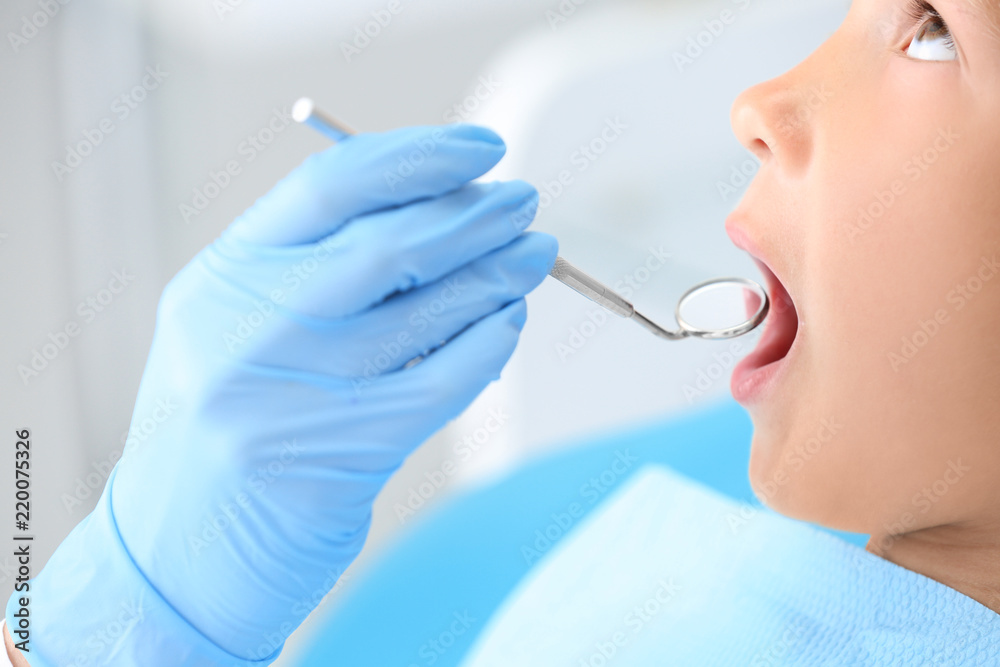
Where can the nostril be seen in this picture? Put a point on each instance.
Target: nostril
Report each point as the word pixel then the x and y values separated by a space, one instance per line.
pixel 760 149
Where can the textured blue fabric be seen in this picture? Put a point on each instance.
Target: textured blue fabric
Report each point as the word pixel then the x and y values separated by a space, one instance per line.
pixel 465 555
pixel 666 572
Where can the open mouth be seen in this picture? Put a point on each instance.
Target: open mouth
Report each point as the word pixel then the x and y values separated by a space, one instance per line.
pixel 782 323
pixel 758 370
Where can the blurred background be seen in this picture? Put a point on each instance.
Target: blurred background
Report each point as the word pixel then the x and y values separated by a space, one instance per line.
pixel 119 115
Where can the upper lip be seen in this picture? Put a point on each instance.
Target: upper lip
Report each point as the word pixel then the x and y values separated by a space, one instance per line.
pixel 743 240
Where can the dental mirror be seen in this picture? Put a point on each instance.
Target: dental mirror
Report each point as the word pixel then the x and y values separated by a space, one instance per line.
pixel 720 308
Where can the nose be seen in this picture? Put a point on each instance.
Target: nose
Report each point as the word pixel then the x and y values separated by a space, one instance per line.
pixel 776 120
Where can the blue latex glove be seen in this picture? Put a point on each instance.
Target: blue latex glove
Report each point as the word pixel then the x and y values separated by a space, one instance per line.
pixel 283 347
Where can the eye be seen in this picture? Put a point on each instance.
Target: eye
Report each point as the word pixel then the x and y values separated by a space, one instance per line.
pixel 933 39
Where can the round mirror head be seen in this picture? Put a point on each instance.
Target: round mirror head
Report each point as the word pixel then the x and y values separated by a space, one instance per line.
pixel 723 308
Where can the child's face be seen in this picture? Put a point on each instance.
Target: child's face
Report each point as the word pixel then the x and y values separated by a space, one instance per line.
pixel 878 208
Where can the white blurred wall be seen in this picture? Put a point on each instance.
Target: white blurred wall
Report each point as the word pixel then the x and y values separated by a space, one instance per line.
pixel 552 87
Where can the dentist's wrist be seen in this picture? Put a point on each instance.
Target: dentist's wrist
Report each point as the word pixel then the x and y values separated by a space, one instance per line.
pixel 92 570
pixel 14 657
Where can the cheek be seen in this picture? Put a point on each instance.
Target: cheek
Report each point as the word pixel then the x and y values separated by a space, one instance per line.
pixel 886 379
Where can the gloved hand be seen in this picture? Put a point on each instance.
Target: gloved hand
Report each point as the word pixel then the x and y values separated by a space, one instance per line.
pixel 282 352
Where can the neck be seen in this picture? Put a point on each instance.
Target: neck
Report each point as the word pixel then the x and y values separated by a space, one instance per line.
pixel 963 558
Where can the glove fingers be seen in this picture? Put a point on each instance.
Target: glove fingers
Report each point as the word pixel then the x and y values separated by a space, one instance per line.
pixel 365 173
pixel 385 338
pixel 451 378
pixel 397 250
pixel 388 336
pixel 382 254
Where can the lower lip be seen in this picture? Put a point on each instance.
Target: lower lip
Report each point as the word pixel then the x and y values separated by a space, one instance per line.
pixel 752 382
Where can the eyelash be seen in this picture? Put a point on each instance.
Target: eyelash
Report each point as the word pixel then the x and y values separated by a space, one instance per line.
pixel 920 10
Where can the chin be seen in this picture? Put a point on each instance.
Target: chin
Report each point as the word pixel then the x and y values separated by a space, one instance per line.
pixel 803 494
